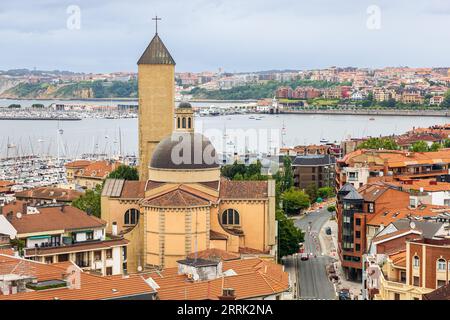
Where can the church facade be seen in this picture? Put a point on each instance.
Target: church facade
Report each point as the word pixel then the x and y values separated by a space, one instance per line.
pixel 182 205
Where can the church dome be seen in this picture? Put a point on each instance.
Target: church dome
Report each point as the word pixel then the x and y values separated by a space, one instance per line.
pixel 170 152
pixel 184 105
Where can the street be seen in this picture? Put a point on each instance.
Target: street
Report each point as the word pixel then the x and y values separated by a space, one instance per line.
pixel 311 276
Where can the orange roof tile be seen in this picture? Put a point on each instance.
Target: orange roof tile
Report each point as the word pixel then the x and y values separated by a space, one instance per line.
pixel 232 189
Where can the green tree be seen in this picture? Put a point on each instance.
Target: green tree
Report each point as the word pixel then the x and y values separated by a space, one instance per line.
pixel 325 192
pixel 312 191
pixel 435 146
pixel 90 201
pixel 446 103
pixel 419 146
pixel 294 200
pixel 379 143
pixel 124 172
pixel 447 143
pixel 289 235
pixel 331 208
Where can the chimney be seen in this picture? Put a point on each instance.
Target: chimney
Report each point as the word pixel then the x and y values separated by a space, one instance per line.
pixel 114 228
pixel 228 294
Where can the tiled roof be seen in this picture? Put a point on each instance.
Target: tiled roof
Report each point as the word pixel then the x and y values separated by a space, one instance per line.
pixel 98 169
pixel 399 258
pixel 133 190
pixel 92 287
pixel 255 278
pixel 49 193
pixel 371 192
pixel 387 215
pixel 214 254
pixel 214 235
pixel 232 189
pixel 176 198
pixel 428 185
pixel 397 233
pixel 77 164
pixel 52 218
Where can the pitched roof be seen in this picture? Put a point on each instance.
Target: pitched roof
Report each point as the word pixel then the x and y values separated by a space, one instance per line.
pixel 156 53
pixel 98 169
pixel 176 198
pixel 254 278
pixel 313 160
pixel 428 228
pixel 387 215
pixel 441 293
pixel 214 254
pixel 232 189
pixel 52 218
pixel 214 235
pixel 92 287
pixel 50 193
pixel 353 195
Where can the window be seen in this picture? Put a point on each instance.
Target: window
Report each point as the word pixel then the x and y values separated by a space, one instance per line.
pixel 441 265
pixel 358 221
pixel 403 277
pixel 97 255
pixel 184 123
pixel 358 234
pixel 131 216
pixel 189 123
pixel 90 235
pixel 63 257
pixel 441 283
pixel 109 254
pixel 230 217
pixel 396 296
pixel 416 281
pixel 178 123
pixel 109 271
pixel 357 247
pixel 49 259
pixel 371 207
pixel 416 262
pixel 352 176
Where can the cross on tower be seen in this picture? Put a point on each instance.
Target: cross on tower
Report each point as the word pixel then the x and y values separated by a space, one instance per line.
pixel 156 19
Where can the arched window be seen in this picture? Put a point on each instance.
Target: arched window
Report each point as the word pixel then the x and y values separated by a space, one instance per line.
pixel 230 217
pixel 184 123
pixel 178 123
pixel 416 262
pixel 189 123
pixel 131 216
pixel 441 265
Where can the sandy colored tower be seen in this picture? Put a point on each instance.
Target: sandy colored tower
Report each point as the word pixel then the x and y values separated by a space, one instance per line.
pixel 156 81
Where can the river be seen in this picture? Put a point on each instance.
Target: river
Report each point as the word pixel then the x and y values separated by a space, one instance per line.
pixel 102 135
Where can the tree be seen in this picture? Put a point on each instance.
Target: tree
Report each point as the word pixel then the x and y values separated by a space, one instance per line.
pixel 124 172
pixel 312 191
pixel 285 177
pixel 379 143
pixel 294 200
pixel 288 234
pixel 331 208
pixel 447 143
pixel 325 192
pixel 435 146
pixel 419 146
pixel 90 201
pixel 446 103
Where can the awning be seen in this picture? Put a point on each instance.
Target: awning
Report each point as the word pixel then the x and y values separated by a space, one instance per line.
pixel 39 237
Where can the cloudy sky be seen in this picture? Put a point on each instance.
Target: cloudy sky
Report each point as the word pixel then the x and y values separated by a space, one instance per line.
pixel 236 35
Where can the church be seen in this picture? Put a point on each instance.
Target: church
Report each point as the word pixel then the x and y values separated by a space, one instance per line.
pixel 181 205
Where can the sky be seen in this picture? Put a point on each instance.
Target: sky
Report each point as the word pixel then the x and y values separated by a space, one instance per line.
pixel 236 35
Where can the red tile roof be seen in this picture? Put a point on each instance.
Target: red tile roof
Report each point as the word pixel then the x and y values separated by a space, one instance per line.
pixel 243 189
pixel 51 218
pixel 49 193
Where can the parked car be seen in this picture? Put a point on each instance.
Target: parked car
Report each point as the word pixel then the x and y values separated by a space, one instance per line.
pixel 304 256
pixel 328 231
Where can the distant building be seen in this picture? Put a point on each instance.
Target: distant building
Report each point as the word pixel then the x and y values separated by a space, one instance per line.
pixel 89 174
pixel 284 93
pixel 436 100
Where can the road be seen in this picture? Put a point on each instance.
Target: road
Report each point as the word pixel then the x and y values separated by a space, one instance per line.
pixel 312 279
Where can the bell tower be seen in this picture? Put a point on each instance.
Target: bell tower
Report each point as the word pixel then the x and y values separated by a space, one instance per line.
pixel 184 118
pixel 156 83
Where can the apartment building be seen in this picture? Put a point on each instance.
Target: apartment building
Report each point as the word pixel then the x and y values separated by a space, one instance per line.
pixel 63 233
pixel 315 170
pixel 47 195
pixel 357 167
pixel 89 174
